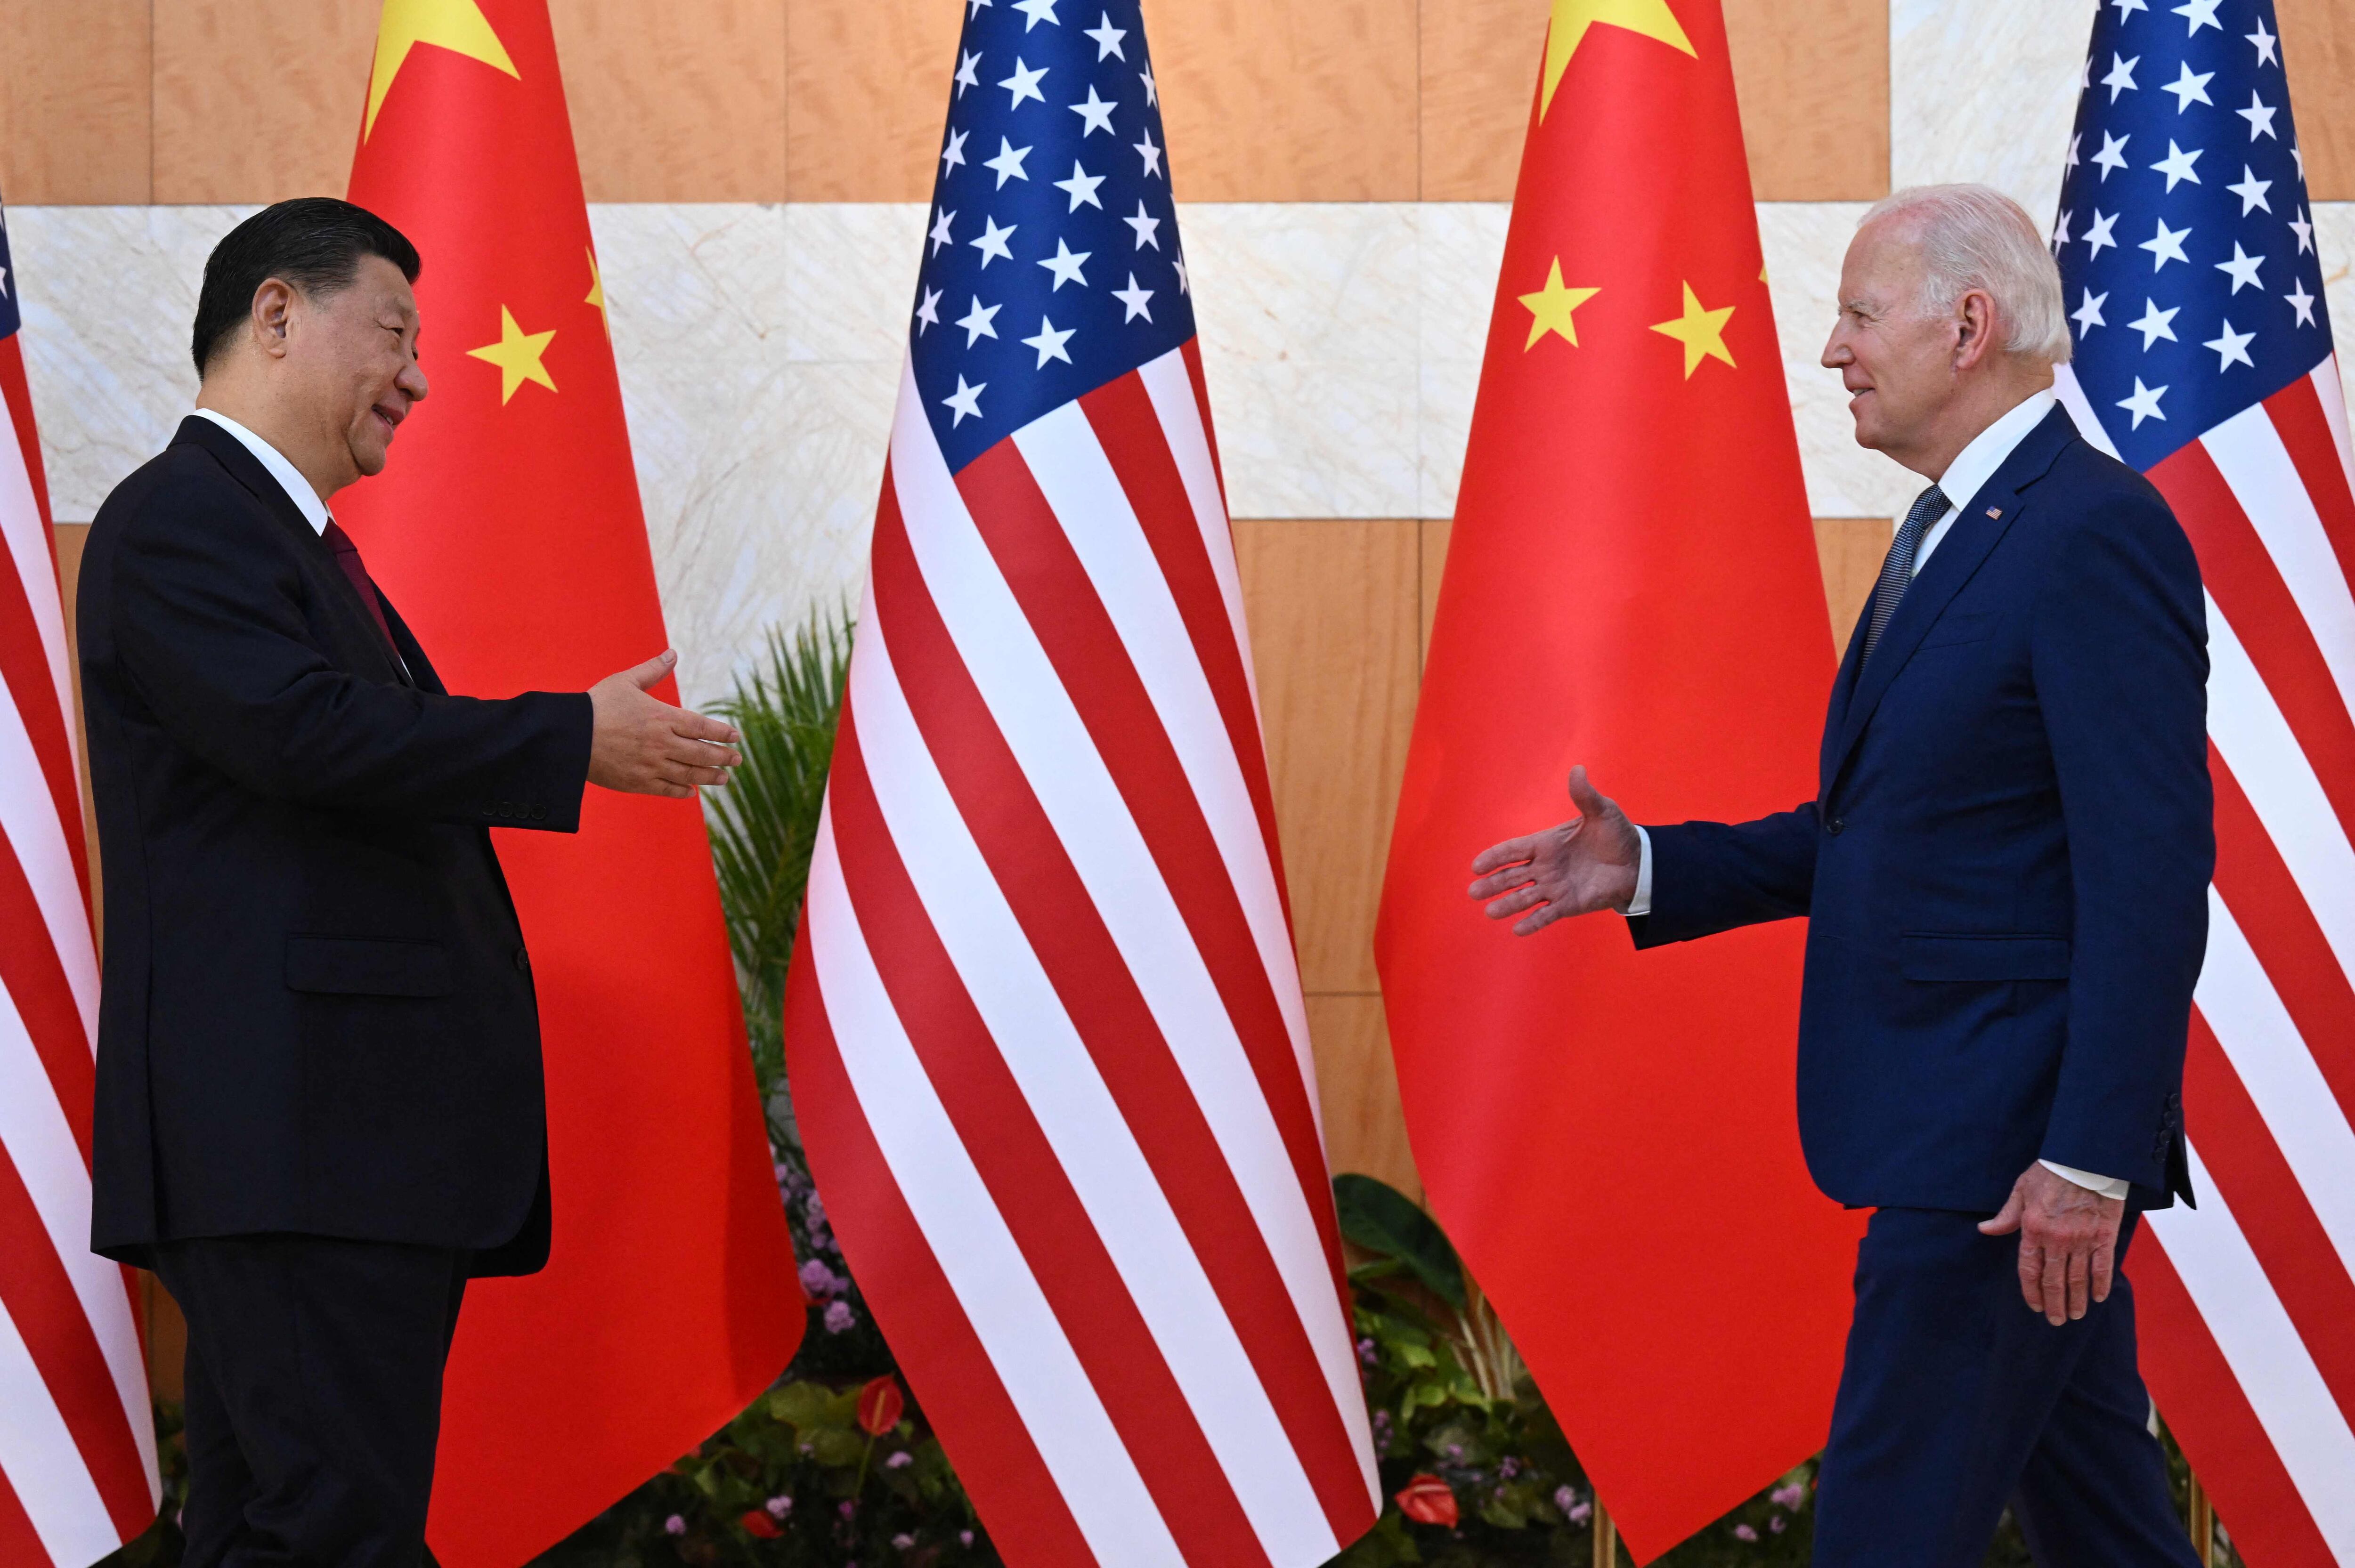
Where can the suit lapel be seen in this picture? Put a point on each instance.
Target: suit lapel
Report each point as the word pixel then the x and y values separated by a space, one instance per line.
pixel 359 626
pixel 1984 520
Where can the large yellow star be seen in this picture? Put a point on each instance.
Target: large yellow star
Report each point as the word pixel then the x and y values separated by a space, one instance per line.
pixel 458 26
pixel 1572 17
pixel 516 353
pixel 1701 331
pixel 1550 306
pixel 597 294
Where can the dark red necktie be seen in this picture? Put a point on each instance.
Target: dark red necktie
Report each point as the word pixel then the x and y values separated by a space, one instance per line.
pixel 347 556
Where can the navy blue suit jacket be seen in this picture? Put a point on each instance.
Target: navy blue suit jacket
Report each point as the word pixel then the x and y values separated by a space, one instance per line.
pixel 2006 864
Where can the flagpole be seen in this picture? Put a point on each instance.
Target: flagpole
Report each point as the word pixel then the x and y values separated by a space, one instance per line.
pixel 1606 1538
pixel 2202 1521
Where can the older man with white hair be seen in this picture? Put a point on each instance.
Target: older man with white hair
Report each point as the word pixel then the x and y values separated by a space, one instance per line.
pixel 2005 869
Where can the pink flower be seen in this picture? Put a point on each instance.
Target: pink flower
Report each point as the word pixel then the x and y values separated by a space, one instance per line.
pixel 903 1542
pixel 818 1279
pixel 779 1506
pixel 839 1318
pixel 1581 1513
pixel 1564 1499
pixel 964 1538
pixel 1743 1532
pixel 673 1525
pixel 1789 1495
pixel 899 1461
pixel 1778 1524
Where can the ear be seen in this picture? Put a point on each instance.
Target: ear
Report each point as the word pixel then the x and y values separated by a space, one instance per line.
pixel 273 306
pixel 1976 326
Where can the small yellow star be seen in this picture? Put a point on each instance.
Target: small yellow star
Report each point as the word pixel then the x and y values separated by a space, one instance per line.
pixel 1550 306
pixel 1701 331
pixel 597 294
pixel 517 356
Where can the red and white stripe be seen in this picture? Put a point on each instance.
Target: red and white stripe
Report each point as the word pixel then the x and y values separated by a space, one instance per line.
pixel 78 1473
pixel 1049 1050
pixel 2248 1302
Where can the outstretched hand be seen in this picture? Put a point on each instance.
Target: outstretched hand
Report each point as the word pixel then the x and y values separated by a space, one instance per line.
pixel 2068 1242
pixel 1585 865
pixel 642 745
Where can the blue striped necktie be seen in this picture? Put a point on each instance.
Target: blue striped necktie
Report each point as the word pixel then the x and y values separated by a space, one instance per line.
pixel 1897 571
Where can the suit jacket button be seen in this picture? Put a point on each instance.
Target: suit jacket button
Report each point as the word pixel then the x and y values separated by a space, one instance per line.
pixel 522 962
pixel 539 813
pixel 1836 826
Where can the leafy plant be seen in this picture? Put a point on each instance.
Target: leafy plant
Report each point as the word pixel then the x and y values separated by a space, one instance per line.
pixel 765 825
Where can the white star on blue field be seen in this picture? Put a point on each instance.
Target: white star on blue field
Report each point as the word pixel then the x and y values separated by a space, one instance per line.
pixel 1051 262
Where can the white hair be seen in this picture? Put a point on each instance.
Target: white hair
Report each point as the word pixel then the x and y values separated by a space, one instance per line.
pixel 1973 236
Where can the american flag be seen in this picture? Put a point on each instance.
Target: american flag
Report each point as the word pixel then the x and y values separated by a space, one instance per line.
pixel 2203 359
pixel 1048 1043
pixel 77 1441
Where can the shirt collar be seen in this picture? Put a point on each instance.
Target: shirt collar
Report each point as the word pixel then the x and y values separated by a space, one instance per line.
pixel 289 478
pixel 1977 463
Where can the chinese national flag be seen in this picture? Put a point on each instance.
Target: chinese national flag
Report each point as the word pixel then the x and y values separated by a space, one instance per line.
pixel 1610 1136
pixel 507 529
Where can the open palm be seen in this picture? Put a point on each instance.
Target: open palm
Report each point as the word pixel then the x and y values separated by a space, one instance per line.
pixel 1575 868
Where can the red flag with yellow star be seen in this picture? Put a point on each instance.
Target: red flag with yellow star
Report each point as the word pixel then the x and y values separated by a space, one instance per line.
pixel 507 530
pixel 1612 1136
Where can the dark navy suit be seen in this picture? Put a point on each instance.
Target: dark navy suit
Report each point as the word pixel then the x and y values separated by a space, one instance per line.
pixel 2005 869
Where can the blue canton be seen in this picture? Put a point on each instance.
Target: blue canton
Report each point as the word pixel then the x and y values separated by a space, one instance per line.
pixel 9 318
pixel 1051 263
pixel 2185 241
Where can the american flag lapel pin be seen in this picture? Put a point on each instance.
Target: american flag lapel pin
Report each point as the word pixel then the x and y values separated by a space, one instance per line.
pixel 1994 511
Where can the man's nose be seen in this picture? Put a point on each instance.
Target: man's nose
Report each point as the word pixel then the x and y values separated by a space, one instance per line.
pixel 412 381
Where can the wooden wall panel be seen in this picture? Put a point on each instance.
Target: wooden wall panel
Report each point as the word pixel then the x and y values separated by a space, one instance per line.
pixel 1435 532
pixel 1333 611
pixel 1850 550
pixel 1289 99
pixel 2318 50
pixel 1812 77
pixel 257 100
pixel 866 96
pixel 1358 1090
pixel 678 100
pixel 74 96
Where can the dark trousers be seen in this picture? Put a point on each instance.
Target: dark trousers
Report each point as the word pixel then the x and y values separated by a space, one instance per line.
pixel 313 1396
pixel 1956 1400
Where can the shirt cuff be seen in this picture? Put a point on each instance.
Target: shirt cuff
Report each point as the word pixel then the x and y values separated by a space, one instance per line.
pixel 2108 1186
pixel 1642 903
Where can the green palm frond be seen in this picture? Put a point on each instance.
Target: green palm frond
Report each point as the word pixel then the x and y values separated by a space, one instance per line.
pixel 764 824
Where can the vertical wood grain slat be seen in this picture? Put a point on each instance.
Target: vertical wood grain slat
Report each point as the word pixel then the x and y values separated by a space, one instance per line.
pixel 1333 611
pixel 2318 50
pixel 1850 550
pixel 257 100
pixel 867 86
pixel 1358 1093
pixel 1288 100
pixel 74 96
pixel 677 100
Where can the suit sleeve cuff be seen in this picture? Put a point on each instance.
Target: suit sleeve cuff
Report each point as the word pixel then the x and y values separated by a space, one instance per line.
pixel 2108 1186
pixel 1641 904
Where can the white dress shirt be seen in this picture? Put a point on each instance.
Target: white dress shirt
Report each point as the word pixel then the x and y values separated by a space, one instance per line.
pixel 289 478
pixel 1972 468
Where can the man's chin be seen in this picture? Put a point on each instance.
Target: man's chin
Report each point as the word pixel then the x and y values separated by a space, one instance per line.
pixel 370 460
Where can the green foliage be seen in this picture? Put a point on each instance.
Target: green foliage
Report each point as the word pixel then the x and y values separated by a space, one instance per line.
pixel 1391 1226
pixel 765 825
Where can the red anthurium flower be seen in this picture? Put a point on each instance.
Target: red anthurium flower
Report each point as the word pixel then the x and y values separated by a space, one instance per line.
pixel 1427 1500
pixel 879 1404
pixel 757 1521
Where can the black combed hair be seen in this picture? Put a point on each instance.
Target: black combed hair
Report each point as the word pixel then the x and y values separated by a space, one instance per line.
pixel 314 243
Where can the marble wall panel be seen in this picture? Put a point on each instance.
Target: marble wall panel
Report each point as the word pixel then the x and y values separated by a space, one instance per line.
pixel 2334 241
pixel 1308 314
pixel 1986 90
pixel 1461 246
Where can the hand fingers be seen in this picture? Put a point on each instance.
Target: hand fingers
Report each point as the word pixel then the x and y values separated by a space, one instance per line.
pixel 694 726
pixel 2053 1286
pixel 700 754
pixel 1505 880
pixel 2105 1265
pixel 2078 1279
pixel 2005 1222
pixel 1512 851
pixel 2031 1275
pixel 1545 916
pixel 1584 795
pixel 648 675
pixel 1513 902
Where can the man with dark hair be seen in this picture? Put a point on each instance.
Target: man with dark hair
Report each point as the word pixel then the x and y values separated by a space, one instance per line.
pixel 319 1105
